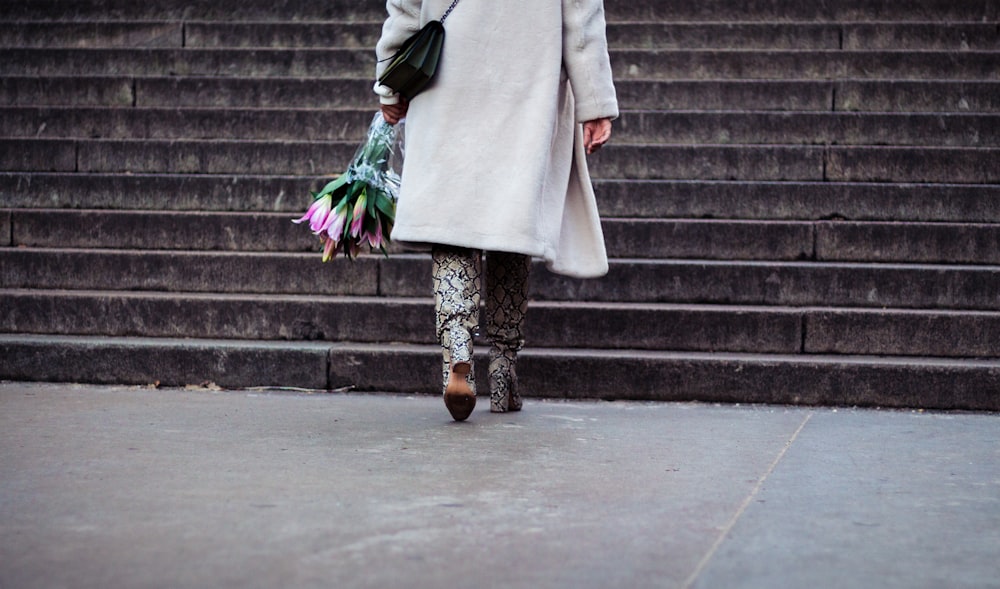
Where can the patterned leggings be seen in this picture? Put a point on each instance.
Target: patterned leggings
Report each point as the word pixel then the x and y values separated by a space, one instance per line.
pixel 457 291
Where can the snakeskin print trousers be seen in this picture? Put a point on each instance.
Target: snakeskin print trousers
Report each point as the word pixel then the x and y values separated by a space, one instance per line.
pixel 457 279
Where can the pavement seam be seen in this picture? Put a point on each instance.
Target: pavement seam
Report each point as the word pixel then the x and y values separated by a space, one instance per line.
pixel 743 507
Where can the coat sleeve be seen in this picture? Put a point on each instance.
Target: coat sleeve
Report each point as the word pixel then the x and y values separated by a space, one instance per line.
pixel 402 22
pixel 585 56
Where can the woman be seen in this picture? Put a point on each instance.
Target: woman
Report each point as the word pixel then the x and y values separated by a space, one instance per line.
pixel 495 162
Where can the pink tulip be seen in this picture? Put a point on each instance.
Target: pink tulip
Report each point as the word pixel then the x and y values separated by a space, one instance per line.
pixel 376 240
pixel 359 215
pixel 329 247
pixel 317 214
pixel 338 218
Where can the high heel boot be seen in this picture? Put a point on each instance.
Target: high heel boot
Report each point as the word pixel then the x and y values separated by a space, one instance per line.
pixel 506 306
pixel 457 276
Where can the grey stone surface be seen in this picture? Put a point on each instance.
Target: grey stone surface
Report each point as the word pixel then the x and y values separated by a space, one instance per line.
pixel 680 199
pixel 663 35
pixel 180 362
pixel 663 64
pixel 658 126
pixel 217 272
pixel 911 333
pixel 643 126
pixel 865 499
pixel 922 36
pixel 89 91
pixel 408 275
pixel 284 34
pixel 779 95
pixel 119 487
pixel 191 123
pixel 798 200
pixel 742 35
pixel 735 240
pixel 956 243
pixel 913 164
pixel 43 155
pixel 308 158
pixel 708 162
pixel 667 64
pixel 92 34
pixel 670 10
pixel 718 328
pixel 142 230
pixel 918 96
pixel 171 192
pixel 5 228
pixel 920 382
pixel 284 92
pixel 777 283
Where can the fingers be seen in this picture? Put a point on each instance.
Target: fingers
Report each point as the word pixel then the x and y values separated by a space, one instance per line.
pixel 595 134
pixel 393 113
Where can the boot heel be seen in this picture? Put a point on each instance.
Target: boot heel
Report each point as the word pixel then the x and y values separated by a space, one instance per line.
pixel 459 397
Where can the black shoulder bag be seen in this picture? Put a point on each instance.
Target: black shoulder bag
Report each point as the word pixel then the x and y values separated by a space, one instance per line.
pixel 414 65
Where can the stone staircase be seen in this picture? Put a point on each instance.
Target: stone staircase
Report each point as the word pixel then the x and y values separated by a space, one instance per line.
pixel 802 203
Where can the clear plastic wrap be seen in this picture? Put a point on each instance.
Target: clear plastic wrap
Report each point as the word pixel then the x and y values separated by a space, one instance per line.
pixel 358 208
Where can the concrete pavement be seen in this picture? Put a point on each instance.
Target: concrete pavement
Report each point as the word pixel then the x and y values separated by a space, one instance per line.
pixel 109 487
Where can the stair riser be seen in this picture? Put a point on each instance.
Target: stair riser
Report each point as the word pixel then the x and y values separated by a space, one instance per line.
pixel 798 163
pixel 550 326
pixel 949 37
pixel 632 127
pixel 151 192
pixel 875 96
pixel 735 381
pixel 694 162
pixel 626 63
pixel 657 10
pixel 683 64
pixel 408 276
pixel 824 241
pixel 178 272
pixel 849 286
pixel 145 362
pixel 250 318
pixel 42 35
pixel 616 198
pixel 786 200
pixel 117 123
pixel 762 331
pixel 928 243
pixel 876 333
pixel 543 374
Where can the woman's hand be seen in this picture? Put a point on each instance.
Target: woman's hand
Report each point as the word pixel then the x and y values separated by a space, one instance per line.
pixel 393 113
pixel 595 134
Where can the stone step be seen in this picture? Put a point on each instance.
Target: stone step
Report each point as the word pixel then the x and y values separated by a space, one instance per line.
pixel 943 36
pixel 617 10
pixel 660 64
pixel 395 320
pixel 807 283
pixel 782 95
pixel 617 161
pixel 968 203
pixel 719 328
pixel 930 383
pixel 795 162
pixel 675 127
pixel 941 243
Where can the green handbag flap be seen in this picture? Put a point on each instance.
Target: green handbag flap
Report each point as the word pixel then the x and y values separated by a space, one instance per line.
pixel 413 66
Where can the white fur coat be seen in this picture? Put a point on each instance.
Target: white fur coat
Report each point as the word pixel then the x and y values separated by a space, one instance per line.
pixel 494 156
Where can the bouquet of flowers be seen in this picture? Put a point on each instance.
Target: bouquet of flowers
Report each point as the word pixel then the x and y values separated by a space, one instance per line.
pixel 359 206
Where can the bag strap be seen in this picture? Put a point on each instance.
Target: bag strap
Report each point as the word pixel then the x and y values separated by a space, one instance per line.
pixel 447 12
